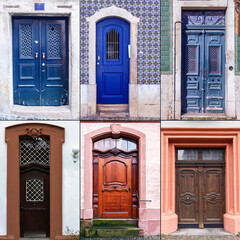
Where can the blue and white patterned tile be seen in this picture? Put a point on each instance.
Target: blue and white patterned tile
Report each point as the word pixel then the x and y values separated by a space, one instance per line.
pixel 148 63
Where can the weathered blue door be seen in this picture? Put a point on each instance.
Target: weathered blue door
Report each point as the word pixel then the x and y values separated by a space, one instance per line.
pixel 112 69
pixel 203 68
pixel 40 61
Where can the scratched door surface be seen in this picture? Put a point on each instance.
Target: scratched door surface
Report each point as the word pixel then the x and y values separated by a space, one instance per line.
pixel 112 63
pixel 203 65
pixel 40 61
pixel 200 181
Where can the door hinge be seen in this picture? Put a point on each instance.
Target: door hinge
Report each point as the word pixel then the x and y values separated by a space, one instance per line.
pixel 129 50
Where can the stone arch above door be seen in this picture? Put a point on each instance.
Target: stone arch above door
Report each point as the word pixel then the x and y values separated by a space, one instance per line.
pixel 12 135
pixel 115 131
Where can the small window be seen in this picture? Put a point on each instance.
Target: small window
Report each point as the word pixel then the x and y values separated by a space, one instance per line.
pixel 192 59
pixel 214 60
pixel 212 154
pixel 112 45
pixel 187 154
pixel 120 143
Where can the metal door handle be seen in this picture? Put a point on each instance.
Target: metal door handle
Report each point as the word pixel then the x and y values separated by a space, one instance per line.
pixel 43 55
pixel 98 58
pixel 36 55
pixel 115 186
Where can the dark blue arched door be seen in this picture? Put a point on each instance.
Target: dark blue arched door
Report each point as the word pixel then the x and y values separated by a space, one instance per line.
pixel 113 39
pixel 40 61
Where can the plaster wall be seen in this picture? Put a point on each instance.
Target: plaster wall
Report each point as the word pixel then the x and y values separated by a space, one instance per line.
pixel 26 8
pixel 70 174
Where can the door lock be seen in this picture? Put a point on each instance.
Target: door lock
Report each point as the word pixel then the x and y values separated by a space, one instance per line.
pixel 43 56
pixel 36 55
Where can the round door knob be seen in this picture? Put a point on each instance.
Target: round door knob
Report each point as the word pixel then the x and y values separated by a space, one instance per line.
pixel 43 64
pixel 213 197
pixel 188 198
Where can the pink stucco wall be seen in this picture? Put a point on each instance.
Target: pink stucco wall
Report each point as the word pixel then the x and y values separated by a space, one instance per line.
pixel 148 136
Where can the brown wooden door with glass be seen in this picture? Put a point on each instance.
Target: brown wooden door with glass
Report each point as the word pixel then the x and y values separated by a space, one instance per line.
pixel 34 187
pixel 200 186
pixel 115 178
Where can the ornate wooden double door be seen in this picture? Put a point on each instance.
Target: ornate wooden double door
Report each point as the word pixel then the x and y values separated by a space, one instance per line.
pixel 115 179
pixel 200 183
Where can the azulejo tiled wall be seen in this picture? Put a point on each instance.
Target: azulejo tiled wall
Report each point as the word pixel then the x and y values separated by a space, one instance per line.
pixel 148 58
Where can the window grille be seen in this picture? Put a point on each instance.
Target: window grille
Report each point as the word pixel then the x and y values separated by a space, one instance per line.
pixel 35 150
pixel 112 45
pixel 34 190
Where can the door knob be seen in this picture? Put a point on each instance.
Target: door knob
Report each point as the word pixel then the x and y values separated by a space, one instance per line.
pixel 36 55
pixel 115 186
pixel 98 63
pixel 43 56
pixel 43 64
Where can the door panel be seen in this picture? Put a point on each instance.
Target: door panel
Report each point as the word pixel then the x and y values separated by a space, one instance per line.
pixel 213 198
pixel 203 68
pixel 115 186
pixel 34 214
pixel 187 195
pixel 200 195
pixel 112 63
pixel 40 61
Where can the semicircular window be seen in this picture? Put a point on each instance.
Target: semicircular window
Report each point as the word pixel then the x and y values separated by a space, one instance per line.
pixel 34 150
pixel 120 143
pixel 112 45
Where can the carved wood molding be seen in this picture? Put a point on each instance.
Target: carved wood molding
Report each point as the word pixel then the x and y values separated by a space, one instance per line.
pixel 34 132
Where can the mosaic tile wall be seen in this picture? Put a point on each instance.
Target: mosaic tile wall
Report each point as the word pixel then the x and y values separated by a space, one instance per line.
pixel 148 61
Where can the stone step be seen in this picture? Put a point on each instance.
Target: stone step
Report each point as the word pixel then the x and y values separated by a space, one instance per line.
pixel 111 222
pixel 112 107
pixel 110 232
pixel 203 116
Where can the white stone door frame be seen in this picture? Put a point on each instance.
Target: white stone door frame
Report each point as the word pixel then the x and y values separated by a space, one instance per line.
pixel 57 9
pixel 112 11
pixel 229 7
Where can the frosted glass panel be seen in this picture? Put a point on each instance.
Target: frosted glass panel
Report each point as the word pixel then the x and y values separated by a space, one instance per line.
pixel 188 154
pixel 212 154
pixel 120 143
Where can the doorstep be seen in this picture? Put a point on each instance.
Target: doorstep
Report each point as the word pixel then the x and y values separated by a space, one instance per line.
pixel 204 116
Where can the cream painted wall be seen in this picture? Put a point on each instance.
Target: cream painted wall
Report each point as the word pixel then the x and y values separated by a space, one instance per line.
pixel 152 132
pixel 70 207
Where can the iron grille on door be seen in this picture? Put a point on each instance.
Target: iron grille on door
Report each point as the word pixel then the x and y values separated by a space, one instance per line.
pixel 34 150
pixel 112 45
pixel 35 190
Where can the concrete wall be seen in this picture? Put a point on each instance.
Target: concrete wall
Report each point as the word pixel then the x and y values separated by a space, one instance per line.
pixel 70 187
pixel 9 8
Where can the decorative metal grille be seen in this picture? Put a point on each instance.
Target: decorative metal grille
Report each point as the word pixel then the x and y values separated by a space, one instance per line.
pixel 26 40
pixel 214 60
pixel 192 59
pixel 34 190
pixel 34 150
pixel 53 41
pixel 112 45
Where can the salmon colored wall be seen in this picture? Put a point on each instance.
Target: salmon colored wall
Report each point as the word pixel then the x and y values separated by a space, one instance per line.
pixel 195 137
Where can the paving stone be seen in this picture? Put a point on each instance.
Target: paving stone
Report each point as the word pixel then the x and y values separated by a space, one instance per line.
pixel 196 237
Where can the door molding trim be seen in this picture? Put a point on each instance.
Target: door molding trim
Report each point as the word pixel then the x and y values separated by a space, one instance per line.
pixel 57 138
pixel 114 130
pixel 172 138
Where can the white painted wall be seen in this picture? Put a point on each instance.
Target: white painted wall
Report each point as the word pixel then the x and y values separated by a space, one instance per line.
pixel 70 208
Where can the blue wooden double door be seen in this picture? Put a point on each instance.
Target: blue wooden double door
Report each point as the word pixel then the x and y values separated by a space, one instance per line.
pixel 112 63
pixel 40 61
pixel 203 61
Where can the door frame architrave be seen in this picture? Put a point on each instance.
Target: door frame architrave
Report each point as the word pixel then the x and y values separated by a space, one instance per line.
pixel 57 137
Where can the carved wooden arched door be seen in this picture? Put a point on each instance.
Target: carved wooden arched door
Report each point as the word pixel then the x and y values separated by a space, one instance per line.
pixel 115 175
